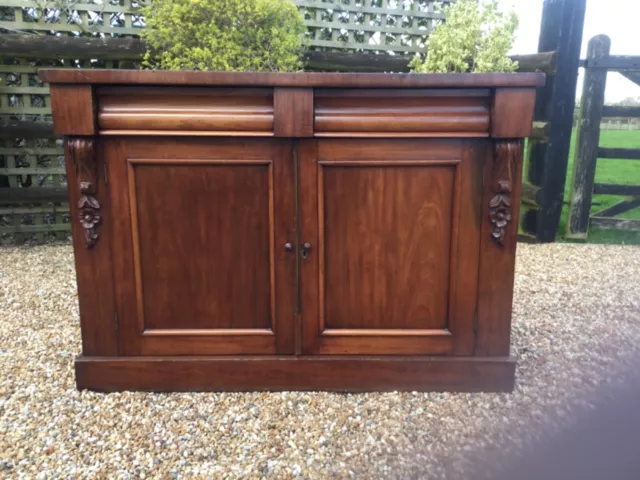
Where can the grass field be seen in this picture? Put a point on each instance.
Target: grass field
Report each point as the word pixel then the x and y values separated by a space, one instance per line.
pixel 608 171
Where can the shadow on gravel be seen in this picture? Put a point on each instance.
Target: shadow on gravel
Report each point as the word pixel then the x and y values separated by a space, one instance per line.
pixel 604 445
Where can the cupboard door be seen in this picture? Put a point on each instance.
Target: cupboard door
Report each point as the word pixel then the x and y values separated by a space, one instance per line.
pixel 199 229
pixel 393 228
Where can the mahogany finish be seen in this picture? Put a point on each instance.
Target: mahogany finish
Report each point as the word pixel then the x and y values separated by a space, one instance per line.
pixel 294 112
pixel 501 204
pixel 390 260
pixel 73 109
pixel 261 79
pixel 416 112
pixel 369 244
pixel 200 231
pixel 331 373
pixel 94 271
pixel 194 109
pixel 510 122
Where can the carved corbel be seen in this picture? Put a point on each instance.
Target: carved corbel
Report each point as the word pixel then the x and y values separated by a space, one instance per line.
pixel 506 154
pixel 81 150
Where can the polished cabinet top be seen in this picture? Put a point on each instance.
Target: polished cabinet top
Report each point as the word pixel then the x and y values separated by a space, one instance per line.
pixel 377 80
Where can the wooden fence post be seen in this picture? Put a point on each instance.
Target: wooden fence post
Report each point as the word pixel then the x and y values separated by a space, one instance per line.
pixel 587 140
pixel 560 30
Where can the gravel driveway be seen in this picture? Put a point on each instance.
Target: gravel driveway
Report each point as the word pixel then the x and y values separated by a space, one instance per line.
pixel 576 330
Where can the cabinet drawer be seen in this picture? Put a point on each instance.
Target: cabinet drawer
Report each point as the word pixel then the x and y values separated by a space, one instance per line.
pixel 410 113
pixel 212 111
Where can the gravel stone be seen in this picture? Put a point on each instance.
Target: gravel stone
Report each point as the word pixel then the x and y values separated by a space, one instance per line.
pixel 576 331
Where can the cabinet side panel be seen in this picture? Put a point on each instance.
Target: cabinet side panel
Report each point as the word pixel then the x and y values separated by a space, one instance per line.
pixel 501 202
pixel 93 264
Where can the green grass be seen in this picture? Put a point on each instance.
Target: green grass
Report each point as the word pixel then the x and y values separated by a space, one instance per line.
pixel 608 171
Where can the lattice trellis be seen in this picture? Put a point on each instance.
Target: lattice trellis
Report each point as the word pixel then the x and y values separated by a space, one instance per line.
pixel 20 90
pixel 92 17
pixel 398 26
pixel 39 162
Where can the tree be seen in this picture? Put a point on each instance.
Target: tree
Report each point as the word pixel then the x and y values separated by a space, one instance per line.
pixel 475 37
pixel 227 35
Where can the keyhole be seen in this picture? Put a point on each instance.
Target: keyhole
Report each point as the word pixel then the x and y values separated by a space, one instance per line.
pixel 304 251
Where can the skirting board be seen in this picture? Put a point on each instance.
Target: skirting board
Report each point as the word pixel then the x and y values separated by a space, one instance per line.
pixel 307 373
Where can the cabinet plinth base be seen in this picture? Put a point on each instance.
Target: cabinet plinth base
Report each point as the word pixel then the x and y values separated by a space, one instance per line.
pixel 272 373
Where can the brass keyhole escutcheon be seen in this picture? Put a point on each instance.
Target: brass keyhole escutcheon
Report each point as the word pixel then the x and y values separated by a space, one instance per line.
pixel 304 252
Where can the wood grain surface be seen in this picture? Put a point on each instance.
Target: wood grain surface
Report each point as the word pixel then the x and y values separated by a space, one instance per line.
pixel 201 271
pixel 94 273
pixel 397 111
pixel 389 272
pixel 247 79
pixel 73 109
pixel 212 229
pixel 332 373
pixel 367 244
pixel 188 109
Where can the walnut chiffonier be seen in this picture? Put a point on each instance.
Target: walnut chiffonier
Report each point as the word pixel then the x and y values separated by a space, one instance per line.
pixel 293 231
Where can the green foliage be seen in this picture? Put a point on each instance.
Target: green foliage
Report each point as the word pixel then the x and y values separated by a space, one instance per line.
pixel 475 37
pixel 225 35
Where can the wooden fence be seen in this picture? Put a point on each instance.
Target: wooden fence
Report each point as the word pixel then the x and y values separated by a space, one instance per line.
pixel 32 180
pixel 343 35
pixel 620 123
pixel 588 150
pixel 547 154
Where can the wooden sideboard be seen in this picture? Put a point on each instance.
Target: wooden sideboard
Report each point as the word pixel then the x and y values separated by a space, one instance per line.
pixel 309 231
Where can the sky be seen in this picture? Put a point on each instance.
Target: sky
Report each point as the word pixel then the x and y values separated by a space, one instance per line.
pixel 616 18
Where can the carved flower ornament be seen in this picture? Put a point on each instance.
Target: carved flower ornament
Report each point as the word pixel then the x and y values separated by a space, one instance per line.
pixel 89 212
pixel 500 215
pixel 500 211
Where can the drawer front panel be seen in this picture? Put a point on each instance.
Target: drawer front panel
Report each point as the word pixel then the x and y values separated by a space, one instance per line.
pixel 156 110
pixel 339 112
